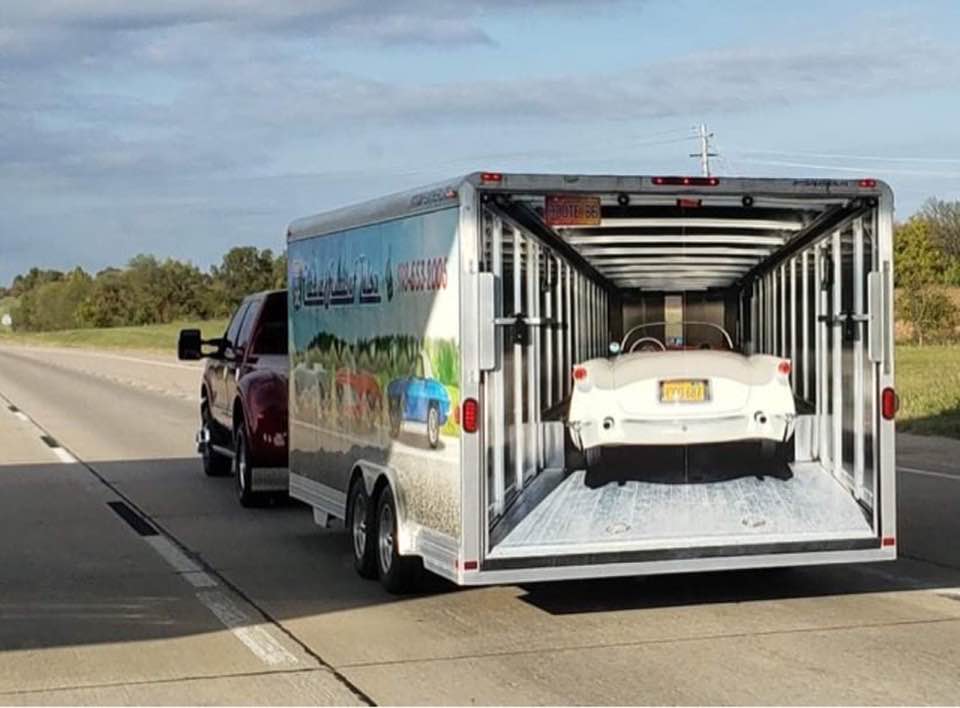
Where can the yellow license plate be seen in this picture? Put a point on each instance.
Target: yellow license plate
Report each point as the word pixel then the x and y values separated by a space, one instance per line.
pixel 683 391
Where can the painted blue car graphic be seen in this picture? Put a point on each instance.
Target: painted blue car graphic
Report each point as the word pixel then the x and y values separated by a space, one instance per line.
pixel 419 398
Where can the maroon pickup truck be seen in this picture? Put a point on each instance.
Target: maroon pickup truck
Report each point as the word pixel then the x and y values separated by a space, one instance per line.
pixel 243 397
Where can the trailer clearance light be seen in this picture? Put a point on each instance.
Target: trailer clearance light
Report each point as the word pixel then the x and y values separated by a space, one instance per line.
pixel 889 403
pixel 868 183
pixel 579 373
pixel 784 367
pixel 491 177
pixel 471 415
pixel 687 181
pixel 689 203
pixel 889 541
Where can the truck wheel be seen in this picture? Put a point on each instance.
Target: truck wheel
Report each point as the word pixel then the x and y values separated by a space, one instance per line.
pixel 214 464
pixel 242 468
pixel 398 574
pixel 361 522
pixel 433 425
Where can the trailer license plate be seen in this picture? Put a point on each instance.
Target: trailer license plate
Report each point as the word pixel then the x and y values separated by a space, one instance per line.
pixel 683 391
pixel 564 210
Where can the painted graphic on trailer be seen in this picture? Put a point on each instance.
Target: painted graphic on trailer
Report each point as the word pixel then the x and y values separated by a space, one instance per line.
pixel 376 360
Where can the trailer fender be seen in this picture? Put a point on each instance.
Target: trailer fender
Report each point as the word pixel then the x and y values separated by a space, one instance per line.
pixel 374 478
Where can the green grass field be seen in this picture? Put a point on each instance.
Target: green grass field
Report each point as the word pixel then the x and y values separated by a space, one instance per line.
pixel 928 381
pixel 149 337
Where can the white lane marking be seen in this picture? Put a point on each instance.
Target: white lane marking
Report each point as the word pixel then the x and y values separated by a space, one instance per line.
pixel 64 456
pixel 119 357
pixel 928 473
pixel 254 636
pixel 173 555
pixel 22 416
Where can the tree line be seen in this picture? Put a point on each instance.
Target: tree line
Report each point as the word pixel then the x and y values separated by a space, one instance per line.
pixel 927 272
pixel 147 291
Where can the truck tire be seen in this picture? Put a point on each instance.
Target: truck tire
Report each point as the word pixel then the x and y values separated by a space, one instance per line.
pixel 433 425
pixel 243 469
pixel 398 574
pixel 214 464
pixel 361 521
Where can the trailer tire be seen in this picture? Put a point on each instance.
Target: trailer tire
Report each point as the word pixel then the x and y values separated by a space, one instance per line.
pixel 361 521
pixel 214 464
pixel 398 574
pixel 433 425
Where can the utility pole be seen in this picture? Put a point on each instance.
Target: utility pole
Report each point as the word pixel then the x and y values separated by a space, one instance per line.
pixel 704 153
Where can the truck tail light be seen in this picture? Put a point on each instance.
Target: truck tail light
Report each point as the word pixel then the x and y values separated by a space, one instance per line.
pixel 784 367
pixel 471 415
pixel 491 177
pixel 579 373
pixel 889 403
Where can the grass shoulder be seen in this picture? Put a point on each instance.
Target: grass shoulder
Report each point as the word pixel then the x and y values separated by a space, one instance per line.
pixel 928 381
pixel 156 338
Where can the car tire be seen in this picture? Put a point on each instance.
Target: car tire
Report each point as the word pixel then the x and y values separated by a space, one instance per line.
pixel 243 469
pixel 214 464
pixel 593 457
pixel 396 416
pixel 398 574
pixel 433 425
pixel 361 521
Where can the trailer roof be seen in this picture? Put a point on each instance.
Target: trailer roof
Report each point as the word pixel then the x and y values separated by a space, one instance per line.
pixel 665 233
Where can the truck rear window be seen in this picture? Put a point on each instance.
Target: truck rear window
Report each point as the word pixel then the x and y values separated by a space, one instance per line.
pixel 272 336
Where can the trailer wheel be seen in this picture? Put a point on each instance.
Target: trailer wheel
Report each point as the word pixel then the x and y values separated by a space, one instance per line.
pixel 214 464
pixel 242 468
pixel 398 574
pixel 361 522
pixel 433 425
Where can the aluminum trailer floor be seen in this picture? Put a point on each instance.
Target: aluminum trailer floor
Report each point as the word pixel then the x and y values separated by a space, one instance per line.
pixel 580 516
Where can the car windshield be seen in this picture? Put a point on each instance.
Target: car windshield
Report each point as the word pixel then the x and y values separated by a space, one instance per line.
pixel 676 336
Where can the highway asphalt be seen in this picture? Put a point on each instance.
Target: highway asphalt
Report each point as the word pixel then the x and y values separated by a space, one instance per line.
pixel 126 576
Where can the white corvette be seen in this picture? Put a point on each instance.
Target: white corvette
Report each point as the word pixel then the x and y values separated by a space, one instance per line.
pixel 707 393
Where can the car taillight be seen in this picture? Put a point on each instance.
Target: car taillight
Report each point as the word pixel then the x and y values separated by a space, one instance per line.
pixel 889 403
pixel 579 373
pixel 471 415
pixel 784 367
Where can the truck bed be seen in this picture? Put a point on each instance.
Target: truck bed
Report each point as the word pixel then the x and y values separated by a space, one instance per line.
pixel 580 515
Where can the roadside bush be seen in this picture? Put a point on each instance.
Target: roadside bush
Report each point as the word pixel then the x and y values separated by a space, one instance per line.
pixel 930 313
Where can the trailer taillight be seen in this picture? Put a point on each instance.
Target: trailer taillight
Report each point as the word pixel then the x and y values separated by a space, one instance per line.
pixel 471 415
pixel 889 403
pixel 491 177
pixel 868 183
pixel 686 181
pixel 784 367
pixel 579 373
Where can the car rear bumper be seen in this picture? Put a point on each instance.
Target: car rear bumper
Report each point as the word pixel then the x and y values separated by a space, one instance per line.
pixel 610 430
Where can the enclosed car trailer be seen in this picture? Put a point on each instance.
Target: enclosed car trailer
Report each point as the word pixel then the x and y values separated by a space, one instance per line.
pixel 433 335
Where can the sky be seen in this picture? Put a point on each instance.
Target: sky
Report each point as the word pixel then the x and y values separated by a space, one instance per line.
pixel 183 128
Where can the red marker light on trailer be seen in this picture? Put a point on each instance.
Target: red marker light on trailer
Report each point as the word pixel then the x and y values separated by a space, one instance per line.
pixel 471 415
pixel 689 203
pixel 687 181
pixel 579 373
pixel 889 403
pixel 868 183
pixel 491 177
pixel 889 541
pixel 784 367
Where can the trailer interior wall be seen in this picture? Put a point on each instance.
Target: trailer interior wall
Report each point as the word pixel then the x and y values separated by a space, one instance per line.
pixel 797 270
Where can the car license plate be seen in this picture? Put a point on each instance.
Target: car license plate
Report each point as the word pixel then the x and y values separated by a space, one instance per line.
pixel 683 391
